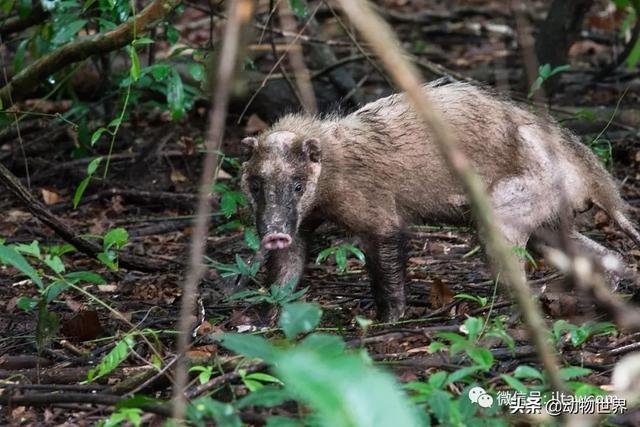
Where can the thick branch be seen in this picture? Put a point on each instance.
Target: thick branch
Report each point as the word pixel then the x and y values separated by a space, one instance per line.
pixel 386 45
pixel 15 187
pixel 25 81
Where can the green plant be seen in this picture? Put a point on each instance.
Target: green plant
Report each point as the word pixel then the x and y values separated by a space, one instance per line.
pixel 342 389
pixel 341 252
pixel 275 295
pixel 578 335
pixel 524 254
pixel 481 301
pixel 545 72
pixel 240 268
pixel 112 242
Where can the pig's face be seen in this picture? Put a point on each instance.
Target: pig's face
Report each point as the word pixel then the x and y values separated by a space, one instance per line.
pixel 280 182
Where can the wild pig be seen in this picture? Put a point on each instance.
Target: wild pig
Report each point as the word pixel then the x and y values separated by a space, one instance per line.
pixel 377 170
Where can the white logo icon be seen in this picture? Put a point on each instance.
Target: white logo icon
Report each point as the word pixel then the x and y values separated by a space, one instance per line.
pixel 479 395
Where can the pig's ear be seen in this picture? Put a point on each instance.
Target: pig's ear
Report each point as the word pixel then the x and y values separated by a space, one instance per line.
pixel 250 143
pixel 311 148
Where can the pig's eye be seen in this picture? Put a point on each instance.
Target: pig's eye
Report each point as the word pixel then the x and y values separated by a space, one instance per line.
pixel 297 187
pixel 254 184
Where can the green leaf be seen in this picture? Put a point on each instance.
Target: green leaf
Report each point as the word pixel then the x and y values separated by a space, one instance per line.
pixel 31 249
pixel 573 372
pixel 279 421
pixel 84 276
pixel 323 344
pixel 473 325
pixel 134 72
pixel 47 326
pixel 251 239
pixel 266 396
pixel 77 196
pixel 159 71
pixel 113 359
pixel 298 8
pixel 108 258
pixel 175 96
pixel 9 255
pixel 437 380
pixel 142 41
pixel 18 60
pixel 579 336
pixel 462 373
pixel 196 70
pixel 344 391
pixel 249 345
pixel 93 165
pixel 69 30
pixel 524 371
pixel 96 135
pixel 297 318
pixel 55 289
pixel 26 303
pixel 341 259
pixel 172 34
pixel 117 237
pixel 514 383
pixel 206 408
pixel 481 356
pixel 54 263
pixel 440 405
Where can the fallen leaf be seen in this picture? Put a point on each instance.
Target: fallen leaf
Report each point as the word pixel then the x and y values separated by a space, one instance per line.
pixel 50 197
pixel 440 295
pixel 177 177
pixel 84 326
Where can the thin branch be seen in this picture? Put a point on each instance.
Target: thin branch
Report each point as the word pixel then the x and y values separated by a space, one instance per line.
pixel 240 14
pixel 386 45
pixel 40 211
pixel 30 77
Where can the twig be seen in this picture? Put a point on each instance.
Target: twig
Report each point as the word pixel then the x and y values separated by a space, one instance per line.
pixel 12 183
pixel 383 41
pixel 296 59
pixel 26 80
pixel 240 13
pixel 15 24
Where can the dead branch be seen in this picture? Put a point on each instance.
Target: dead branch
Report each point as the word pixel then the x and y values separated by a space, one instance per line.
pixel 29 78
pixel 40 211
pixel 15 24
pixel 384 42
pixel 240 13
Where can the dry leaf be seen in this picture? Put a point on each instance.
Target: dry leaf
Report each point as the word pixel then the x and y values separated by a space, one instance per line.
pixel 441 295
pixel 107 288
pixel 84 326
pixel 254 125
pixel 177 177
pixel 50 197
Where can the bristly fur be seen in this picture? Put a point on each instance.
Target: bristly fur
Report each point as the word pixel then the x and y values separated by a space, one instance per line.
pixel 379 171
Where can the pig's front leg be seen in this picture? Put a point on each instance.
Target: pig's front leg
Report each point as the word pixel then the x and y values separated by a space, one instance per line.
pixel 385 256
pixel 286 265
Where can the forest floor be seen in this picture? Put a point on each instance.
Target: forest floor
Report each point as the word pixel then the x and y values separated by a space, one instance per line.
pixel 150 191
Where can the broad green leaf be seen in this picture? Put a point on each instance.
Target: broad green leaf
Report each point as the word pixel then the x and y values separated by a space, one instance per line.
pixel 481 356
pixel 54 263
pixel 462 373
pixel 297 318
pixel 249 345
pixel 345 391
pixel 196 70
pixel 437 380
pixel 117 237
pixel 440 405
pixel 172 34
pixel 266 396
pixel 68 31
pixel 279 421
pixel 524 371
pixel 26 303
pixel 473 326
pixel 93 165
pixel 32 248
pixel 160 71
pixel 55 289
pixel 341 259
pixel 573 372
pixel 323 344
pixel 514 383
pixel 9 255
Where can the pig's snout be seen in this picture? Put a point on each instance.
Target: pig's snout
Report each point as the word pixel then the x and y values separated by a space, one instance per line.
pixel 276 241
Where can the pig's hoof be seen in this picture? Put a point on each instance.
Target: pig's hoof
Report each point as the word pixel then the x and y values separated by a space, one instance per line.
pixel 390 314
